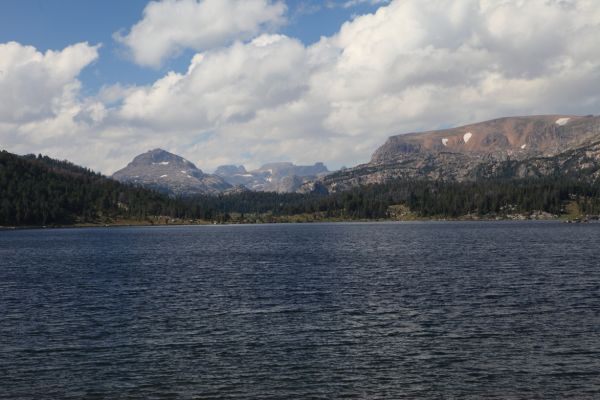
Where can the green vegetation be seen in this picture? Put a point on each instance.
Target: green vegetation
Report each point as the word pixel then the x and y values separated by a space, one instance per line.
pixel 42 191
pixel 36 191
pixel 403 199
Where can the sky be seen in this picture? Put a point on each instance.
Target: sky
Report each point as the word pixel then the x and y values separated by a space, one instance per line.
pixel 256 81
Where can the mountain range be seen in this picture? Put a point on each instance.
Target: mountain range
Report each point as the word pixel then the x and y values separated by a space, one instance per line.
pixel 493 169
pixel 511 147
pixel 281 177
pixel 171 174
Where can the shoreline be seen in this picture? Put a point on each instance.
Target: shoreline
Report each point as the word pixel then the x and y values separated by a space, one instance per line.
pixel 133 224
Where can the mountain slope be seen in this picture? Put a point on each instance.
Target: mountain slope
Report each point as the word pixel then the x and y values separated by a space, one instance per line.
pixel 169 173
pixel 42 191
pixel 514 147
pixel 517 137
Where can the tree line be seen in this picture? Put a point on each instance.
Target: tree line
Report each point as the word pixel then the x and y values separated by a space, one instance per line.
pixel 423 197
pixel 37 190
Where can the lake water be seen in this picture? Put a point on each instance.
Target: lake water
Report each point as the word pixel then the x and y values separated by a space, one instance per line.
pixel 407 310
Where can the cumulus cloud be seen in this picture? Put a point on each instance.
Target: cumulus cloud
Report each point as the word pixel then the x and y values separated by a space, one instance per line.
pixel 43 110
pixel 35 85
pixel 223 86
pixel 411 65
pixel 170 26
pixel 434 62
pixel 41 101
pixel 354 3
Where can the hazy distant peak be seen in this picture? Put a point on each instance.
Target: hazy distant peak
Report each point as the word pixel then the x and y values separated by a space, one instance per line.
pixel 230 170
pixel 281 176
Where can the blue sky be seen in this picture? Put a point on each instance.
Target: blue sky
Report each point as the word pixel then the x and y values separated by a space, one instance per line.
pixel 257 81
pixel 49 25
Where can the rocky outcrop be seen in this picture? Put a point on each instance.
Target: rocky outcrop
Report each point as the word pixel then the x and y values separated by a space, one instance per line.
pixel 515 137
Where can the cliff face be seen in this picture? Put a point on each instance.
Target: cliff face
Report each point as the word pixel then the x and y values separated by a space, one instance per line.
pixel 517 137
pixel 513 147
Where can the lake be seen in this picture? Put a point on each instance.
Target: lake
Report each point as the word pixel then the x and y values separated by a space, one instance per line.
pixel 367 310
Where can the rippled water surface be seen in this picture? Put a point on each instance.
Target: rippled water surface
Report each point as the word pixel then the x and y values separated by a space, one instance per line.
pixel 412 310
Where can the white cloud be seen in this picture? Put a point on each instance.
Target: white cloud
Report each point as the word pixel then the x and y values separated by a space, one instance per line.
pixel 42 109
pixel 223 86
pixel 427 63
pixel 354 3
pixel 170 26
pixel 412 65
pixel 36 85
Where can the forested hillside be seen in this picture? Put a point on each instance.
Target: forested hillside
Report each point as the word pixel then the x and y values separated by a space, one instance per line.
pixel 425 199
pixel 40 191
pixel 37 190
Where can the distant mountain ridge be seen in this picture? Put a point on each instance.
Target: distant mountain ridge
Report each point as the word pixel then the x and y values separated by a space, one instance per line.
pixel 507 148
pixel 169 173
pixel 511 147
pixel 279 177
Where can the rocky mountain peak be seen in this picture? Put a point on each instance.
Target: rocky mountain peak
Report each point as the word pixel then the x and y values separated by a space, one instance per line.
pixel 170 173
pixel 160 157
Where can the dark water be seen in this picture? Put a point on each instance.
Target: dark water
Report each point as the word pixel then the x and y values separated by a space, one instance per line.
pixel 421 310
